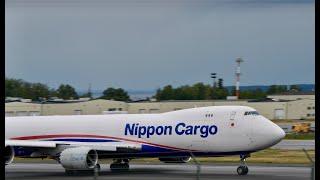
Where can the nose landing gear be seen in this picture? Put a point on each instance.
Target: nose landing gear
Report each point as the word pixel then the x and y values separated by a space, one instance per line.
pixel 243 169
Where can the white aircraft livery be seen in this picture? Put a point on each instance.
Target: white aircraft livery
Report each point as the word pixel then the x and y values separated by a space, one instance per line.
pixel 77 142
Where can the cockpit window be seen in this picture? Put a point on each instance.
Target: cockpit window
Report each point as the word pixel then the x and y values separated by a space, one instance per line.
pixel 255 113
pixel 251 113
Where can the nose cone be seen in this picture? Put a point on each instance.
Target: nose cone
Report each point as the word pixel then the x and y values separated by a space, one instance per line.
pixel 267 134
pixel 277 134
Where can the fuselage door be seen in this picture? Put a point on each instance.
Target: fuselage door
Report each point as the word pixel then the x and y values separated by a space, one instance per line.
pixel 233 115
pixel 233 119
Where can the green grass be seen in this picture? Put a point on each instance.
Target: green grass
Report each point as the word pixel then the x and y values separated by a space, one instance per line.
pixel 292 120
pixel 301 136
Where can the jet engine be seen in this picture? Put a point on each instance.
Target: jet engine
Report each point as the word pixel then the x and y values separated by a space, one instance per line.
pixel 79 158
pixel 175 159
pixel 8 154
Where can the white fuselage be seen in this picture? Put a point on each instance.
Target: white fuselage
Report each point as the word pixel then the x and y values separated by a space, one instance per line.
pixel 218 129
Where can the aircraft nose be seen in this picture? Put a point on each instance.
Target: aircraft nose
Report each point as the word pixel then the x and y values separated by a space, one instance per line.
pixel 267 134
pixel 275 133
pixel 278 133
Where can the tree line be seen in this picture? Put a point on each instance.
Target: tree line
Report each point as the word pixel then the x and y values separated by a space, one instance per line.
pixel 198 91
pixel 40 92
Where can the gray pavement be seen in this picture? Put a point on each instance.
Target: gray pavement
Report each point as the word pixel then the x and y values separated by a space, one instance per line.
pixel 154 171
pixel 295 144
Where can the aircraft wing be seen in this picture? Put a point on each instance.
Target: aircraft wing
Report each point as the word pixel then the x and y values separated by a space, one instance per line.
pixel 110 146
pixel 23 143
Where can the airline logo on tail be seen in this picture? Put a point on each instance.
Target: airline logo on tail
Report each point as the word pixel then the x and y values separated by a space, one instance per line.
pixel 180 129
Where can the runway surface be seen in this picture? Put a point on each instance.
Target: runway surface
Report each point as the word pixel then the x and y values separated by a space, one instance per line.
pixel 295 144
pixel 154 171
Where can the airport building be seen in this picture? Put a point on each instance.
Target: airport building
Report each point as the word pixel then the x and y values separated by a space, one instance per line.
pixel 291 105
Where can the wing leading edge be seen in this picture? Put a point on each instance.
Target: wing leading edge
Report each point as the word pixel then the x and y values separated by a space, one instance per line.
pixel 111 146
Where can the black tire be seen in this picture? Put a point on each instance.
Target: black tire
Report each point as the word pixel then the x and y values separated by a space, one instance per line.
pixel 242 170
pixel 246 170
pixel 126 167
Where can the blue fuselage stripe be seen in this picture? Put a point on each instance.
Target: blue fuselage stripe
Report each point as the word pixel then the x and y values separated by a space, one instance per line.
pixel 83 140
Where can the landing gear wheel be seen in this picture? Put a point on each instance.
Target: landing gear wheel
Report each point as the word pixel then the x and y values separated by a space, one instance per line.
pixel 242 170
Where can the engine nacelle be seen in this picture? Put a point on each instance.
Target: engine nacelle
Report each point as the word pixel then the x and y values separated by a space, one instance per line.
pixel 175 159
pixel 8 154
pixel 79 158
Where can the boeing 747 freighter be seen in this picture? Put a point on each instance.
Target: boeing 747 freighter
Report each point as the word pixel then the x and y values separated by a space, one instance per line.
pixel 77 142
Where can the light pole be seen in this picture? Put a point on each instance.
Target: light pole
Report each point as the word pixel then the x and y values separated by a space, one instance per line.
pixel 213 76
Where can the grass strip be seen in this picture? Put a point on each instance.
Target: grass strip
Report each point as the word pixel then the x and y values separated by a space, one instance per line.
pixel 292 121
pixel 301 136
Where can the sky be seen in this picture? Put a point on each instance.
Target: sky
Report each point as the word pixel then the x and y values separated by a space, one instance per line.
pixel 145 45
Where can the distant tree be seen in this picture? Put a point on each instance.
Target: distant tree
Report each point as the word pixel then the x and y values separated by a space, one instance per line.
pixel 222 93
pixel 214 93
pixel 23 89
pixel 66 92
pixel 276 89
pixel 185 93
pixel 248 94
pixel 115 94
pixel 233 91
pixel 198 91
pixel 258 93
pixel 252 94
pixel 166 94
pixel 13 87
pixel 295 87
pixel 201 91
pixel 220 83
pixel 39 91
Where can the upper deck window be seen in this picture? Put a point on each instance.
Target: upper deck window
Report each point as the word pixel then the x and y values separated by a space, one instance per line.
pixel 251 113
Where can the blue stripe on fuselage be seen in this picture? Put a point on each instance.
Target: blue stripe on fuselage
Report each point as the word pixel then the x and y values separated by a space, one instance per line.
pixel 148 148
pixel 83 140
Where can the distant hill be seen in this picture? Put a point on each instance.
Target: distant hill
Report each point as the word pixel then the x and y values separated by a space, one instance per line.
pixel 142 94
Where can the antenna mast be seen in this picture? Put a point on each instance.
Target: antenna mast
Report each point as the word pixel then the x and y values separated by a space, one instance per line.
pixel 238 61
